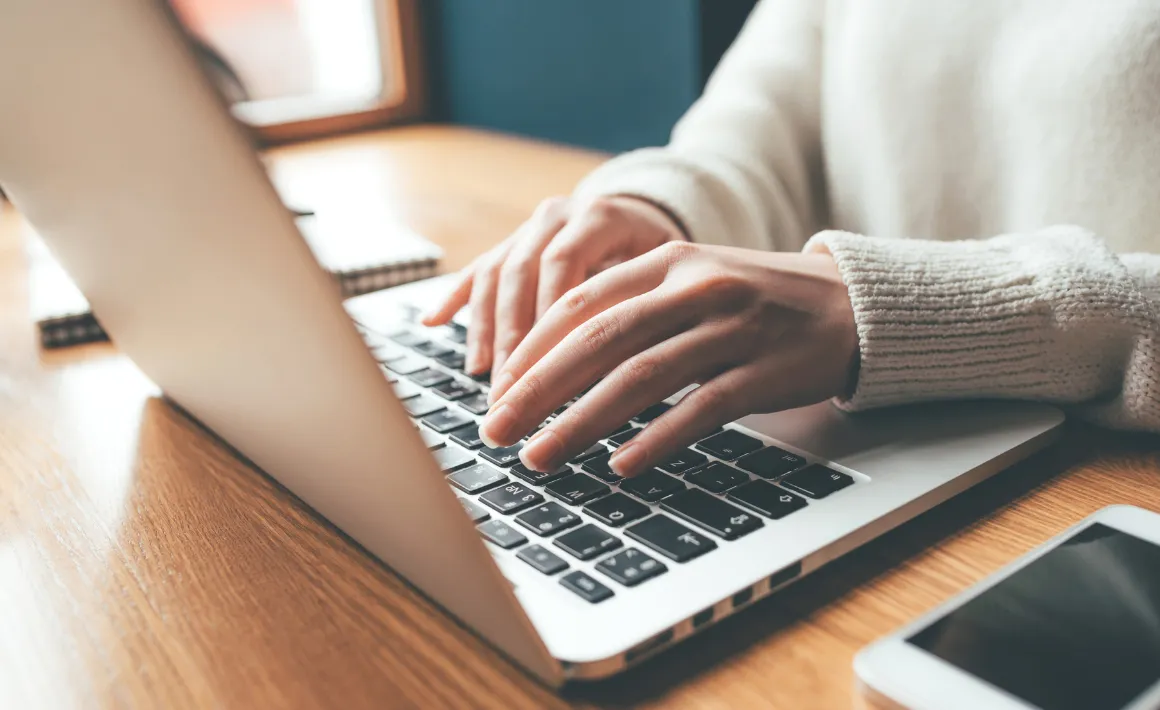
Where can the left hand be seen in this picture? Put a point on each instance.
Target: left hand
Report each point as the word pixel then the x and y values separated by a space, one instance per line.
pixel 759 332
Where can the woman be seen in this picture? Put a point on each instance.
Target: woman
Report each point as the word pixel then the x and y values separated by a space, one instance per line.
pixel 921 130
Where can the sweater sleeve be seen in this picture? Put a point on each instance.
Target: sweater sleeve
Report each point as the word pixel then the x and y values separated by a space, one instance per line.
pixel 743 166
pixel 1052 315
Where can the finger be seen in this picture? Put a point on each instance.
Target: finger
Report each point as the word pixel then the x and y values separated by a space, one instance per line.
pixel 515 305
pixel 639 382
pixel 588 352
pixel 581 245
pixel 582 304
pixel 454 301
pixel 721 400
pixel 481 330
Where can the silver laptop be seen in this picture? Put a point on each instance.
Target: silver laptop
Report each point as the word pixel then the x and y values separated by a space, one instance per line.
pixel 117 149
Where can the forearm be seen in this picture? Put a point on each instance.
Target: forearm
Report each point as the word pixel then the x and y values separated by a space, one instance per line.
pixel 1051 316
pixel 741 164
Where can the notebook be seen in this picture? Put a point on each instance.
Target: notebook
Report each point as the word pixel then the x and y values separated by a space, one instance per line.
pixel 363 257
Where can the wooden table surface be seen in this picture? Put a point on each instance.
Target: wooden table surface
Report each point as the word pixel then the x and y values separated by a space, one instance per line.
pixel 142 565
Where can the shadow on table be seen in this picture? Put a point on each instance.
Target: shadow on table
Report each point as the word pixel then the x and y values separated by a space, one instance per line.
pixel 736 634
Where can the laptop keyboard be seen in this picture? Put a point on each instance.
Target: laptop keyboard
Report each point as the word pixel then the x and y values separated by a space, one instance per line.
pixel 599 533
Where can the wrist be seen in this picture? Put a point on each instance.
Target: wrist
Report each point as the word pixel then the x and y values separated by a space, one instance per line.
pixel 678 230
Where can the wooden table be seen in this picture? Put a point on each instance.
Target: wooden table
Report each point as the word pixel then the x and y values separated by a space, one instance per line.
pixel 142 565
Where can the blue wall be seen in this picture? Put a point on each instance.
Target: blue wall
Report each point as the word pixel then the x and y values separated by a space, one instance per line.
pixel 608 74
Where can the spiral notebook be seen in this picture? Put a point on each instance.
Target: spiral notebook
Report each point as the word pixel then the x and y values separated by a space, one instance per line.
pixel 363 257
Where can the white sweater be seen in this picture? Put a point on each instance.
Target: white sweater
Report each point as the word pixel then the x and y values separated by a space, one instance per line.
pixel 921 129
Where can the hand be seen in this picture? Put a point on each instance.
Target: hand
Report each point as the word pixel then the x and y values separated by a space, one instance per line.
pixel 558 248
pixel 759 331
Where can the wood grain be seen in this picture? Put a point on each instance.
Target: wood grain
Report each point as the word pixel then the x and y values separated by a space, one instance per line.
pixel 142 565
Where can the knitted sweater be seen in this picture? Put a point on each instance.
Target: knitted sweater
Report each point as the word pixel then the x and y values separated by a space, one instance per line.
pixel 984 169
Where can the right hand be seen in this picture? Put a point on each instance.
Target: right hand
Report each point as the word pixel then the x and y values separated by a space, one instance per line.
pixel 563 244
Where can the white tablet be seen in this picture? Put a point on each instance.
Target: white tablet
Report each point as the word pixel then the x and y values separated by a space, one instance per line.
pixel 1073 625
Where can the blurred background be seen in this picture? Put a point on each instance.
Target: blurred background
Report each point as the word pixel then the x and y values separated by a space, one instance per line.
pixel 605 74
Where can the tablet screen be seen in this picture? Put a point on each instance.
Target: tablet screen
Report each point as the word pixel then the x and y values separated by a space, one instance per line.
pixel 1077 628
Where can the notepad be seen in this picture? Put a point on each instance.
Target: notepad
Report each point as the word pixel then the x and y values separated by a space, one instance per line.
pixel 364 257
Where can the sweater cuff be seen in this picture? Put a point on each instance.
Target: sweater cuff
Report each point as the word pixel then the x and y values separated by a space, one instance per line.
pixel 676 186
pixel 951 320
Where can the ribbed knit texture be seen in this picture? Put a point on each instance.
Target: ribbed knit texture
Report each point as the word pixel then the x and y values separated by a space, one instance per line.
pixel 1051 316
pixel 932 127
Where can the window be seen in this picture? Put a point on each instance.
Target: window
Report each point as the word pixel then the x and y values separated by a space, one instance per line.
pixel 302 68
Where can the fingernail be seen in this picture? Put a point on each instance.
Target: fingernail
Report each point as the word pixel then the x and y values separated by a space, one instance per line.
pixel 627 459
pixel 471 366
pixel 496 426
pixel 498 387
pixel 542 450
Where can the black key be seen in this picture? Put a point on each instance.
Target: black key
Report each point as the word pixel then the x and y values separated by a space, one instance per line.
pixel 452 360
pixel 497 532
pixel 539 478
pixel 431 439
pixel 771 462
pixel 623 437
pixel 670 538
pixel 456 333
pixel 455 389
pixel 406 390
pixel 683 461
pixel 616 510
pixel 577 489
pixel 452 458
pixel 542 559
pixel 652 413
pixel 652 485
pixel 712 514
pixel 512 498
pixel 594 450
pixel 429 377
pixel 422 405
pixel 586 542
pixel 446 420
pixel 587 588
pixel 767 499
pixel 476 512
pixel 598 466
pixel 405 366
pixel 620 429
pixel 476 405
pixel 406 338
pixel 717 477
pixel 548 519
pixel 467 437
pixel 478 478
pixel 504 456
pixel 631 567
pixel 816 481
pixel 729 444
pixel 430 348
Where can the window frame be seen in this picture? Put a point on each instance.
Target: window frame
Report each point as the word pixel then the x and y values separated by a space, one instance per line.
pixel 403 98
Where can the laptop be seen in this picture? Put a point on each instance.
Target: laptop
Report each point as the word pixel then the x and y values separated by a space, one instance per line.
pixel 115 146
